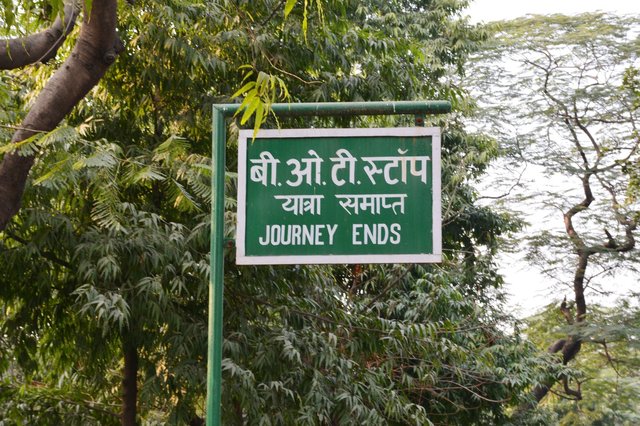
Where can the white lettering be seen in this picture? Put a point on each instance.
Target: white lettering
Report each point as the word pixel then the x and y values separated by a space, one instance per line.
pixel 261 169
pixel 343 157
pixel 371 169
pixel 397 201
pixel 318 230
pixel 307 235
pixel 395 233
pixel 370 234
pixel 373 203
pixel 295 235
pixel 331 230
pixel 390 163
pixel 264 241
pixel 298 235
pixel 375 234
pixel 383 235
pixel 355 234
pixel 301 204
pixel 307 174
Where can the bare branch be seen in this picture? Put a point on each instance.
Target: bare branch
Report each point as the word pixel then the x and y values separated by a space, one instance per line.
pixel 566 312
pixel 45 254
pixel 300 79
pixel 577 208
pixel 629 224
pixel 585 130
pixel 577 394
pixel 272 14
pixel 506 194
pixel 609 359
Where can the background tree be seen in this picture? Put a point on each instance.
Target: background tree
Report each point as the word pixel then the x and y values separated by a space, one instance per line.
pixel 552 89
pixel 607 368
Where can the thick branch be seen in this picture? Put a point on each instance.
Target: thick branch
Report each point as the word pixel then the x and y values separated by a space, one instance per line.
pixel 569 348
pixel 39 47
pixel 577 394
pixel 96 49
pixel 578 285
pixel 629 224
pixel 583 205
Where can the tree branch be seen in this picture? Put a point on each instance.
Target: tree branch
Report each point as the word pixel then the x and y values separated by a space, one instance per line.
pixel 586 131
pixel 629 225
pixel 577 394
pixel 609 359
pixel 96 49
pixel 391 285
pixel 583 205
pixel 46 254
pixel 42 46
pixel 566 312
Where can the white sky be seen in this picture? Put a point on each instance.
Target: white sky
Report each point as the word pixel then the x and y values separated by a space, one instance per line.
pixel 529 290
pixel 495 10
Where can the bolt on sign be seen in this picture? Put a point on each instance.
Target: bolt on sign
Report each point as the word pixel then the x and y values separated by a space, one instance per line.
pixel 311 196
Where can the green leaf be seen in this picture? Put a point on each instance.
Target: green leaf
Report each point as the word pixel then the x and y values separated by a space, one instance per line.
pixel 259 119
pixel 289 7
pixel 250 85
pixel 262 82
pixel 248 111
pixel 305 22
pixel 88 4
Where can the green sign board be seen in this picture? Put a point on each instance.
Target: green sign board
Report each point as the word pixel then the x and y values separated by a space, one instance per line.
pixel 310 196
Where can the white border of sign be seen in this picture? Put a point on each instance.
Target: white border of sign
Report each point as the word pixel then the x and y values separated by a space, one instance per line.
pixel 245 135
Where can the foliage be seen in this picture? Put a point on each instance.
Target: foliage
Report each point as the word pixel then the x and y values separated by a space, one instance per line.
pixel 631 85
pixel 560 107
pixel 100 272
pixel 558 92
pixel 607 367
pixel 110 249
pixel 415 356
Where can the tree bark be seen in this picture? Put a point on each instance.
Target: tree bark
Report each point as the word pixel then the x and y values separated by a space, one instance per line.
pixel 42 46
pixel 129 384
pixel 96 49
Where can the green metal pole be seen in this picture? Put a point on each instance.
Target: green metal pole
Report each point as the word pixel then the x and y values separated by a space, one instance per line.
pixel 216 285
pixel 350 108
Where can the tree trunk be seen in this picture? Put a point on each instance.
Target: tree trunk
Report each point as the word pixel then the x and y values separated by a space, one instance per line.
pixel 95 50
pixel 129 383
pixel 570 346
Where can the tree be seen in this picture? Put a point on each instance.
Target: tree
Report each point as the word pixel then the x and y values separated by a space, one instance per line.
pixel 559 103
pixel 104 269
pixel 607 368
pixel 96 49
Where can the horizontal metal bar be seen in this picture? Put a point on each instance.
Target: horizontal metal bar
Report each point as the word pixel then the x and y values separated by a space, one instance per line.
pixel 349 108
